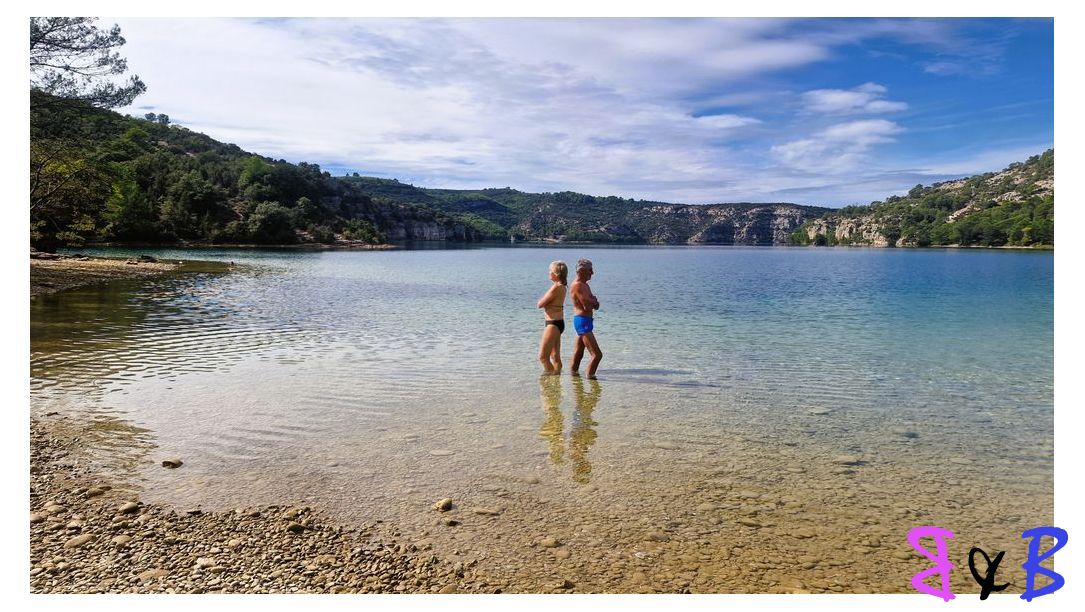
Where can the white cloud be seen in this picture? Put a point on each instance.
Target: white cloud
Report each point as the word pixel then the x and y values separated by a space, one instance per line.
pixel 726 121
pixel 864 99
pixel 603 106
pixel 838 148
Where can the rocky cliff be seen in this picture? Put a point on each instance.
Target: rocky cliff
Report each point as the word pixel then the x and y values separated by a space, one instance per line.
pixel 865 230
pixel 728 224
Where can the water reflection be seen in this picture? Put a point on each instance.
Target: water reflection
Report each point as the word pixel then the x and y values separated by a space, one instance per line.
pixel 582 434
pixel 553 428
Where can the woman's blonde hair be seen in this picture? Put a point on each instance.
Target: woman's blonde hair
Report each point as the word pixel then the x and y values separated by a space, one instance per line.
pixel 562 270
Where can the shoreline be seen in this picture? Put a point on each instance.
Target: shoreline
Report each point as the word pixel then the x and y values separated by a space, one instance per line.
pixel 90 533
pixel 315 246
pixel 54 273
pixel 533 242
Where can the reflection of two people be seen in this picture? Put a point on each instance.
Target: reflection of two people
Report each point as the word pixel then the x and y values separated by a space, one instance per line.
pixel 582 434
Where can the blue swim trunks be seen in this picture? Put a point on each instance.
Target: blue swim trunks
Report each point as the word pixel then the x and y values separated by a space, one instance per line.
pixel 582 324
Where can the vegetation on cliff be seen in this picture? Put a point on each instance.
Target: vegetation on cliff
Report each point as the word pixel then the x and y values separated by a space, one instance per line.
pixel 1013 207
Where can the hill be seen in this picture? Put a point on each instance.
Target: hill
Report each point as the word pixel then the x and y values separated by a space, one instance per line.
pixel 98 176
pixel 1012 207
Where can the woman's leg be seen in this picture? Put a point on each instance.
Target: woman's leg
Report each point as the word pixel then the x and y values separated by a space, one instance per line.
pixel 546 346
pixel 555 354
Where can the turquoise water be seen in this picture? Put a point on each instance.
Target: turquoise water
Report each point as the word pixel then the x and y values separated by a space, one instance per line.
pixel 372 382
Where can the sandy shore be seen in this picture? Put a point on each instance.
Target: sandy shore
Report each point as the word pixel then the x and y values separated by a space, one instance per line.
pixel 60 272
pixel 90 533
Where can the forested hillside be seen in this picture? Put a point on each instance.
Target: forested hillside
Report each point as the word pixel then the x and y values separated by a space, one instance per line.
pixel 99 176
pixel 1013 207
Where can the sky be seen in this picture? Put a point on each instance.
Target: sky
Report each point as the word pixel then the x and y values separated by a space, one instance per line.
pixel 824 112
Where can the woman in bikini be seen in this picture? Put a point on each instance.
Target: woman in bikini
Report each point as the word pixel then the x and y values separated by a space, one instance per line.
pixel 553 305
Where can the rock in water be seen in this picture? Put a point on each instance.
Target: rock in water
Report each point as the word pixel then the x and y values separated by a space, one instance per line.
pixel 848 459
pixel 172 463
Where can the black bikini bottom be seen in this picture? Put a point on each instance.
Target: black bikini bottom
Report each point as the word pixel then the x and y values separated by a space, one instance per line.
pixel 558 323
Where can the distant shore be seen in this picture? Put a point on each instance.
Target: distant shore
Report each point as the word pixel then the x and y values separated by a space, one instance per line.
pixel 550 242
pixel 318 246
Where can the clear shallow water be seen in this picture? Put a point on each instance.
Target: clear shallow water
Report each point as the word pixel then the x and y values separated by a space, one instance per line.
pixel 375 383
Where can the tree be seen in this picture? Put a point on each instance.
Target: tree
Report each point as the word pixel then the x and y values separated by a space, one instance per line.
pixel 67 190
pixel 71 58
pixel 270 223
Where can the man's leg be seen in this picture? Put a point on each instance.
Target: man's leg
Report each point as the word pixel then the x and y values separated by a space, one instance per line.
pixel 596 353
pixel 578 354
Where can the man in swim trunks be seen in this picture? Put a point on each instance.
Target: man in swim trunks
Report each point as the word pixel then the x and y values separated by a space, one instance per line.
pixel 584 305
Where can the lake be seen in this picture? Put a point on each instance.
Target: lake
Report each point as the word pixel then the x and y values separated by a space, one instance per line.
pixel 765 419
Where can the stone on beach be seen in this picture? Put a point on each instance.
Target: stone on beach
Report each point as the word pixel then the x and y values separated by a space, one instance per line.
pixel 79 541
pixel 129 508
pixel 152 574
pixel 172 463
pixel 443 506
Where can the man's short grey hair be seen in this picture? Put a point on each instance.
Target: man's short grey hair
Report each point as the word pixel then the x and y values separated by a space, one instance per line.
pixel 583 264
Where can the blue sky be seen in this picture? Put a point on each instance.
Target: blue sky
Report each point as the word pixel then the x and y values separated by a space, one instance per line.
pixel 814 111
